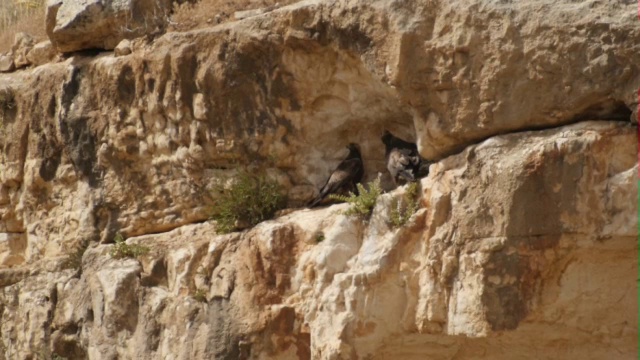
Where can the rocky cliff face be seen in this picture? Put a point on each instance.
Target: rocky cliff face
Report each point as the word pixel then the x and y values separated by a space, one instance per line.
pixel 524 248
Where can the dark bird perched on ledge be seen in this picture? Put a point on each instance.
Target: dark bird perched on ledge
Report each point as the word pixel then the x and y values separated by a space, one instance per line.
pixel 403 160
pixel 345 177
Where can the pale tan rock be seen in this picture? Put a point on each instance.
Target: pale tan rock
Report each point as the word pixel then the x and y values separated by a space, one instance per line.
pixel 123 48
pixel 200 110
pixel 73 26
pixel 41 53
pixel 22 45
pixel 525 240
pixel 473 263
pixel 239 15
pixel 12 248
pixel 6 63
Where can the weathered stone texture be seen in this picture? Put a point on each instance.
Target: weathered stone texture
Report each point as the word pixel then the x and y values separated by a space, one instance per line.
pixel 524 248
pixel 101 24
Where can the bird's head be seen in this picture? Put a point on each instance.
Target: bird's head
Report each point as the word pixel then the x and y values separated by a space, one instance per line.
pixel 353 148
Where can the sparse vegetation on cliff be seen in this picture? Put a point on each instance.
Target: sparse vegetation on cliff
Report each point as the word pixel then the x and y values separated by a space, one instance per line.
pixel 200 295
pixel 404 207
pixel 74 260
pixel 363 203
pixel 123 250
pixel 251 199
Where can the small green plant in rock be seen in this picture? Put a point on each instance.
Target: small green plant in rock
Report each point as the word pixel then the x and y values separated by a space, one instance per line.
pixel 404 208
pixel 363 203
pixel 251 199
pixel 74 260
pixel 200 295
pixel 123 250
pixel 320 237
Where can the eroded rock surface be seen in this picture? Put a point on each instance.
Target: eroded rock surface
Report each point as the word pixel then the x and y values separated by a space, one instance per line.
pixel 101 24
pixel 524 247
pixel 512 245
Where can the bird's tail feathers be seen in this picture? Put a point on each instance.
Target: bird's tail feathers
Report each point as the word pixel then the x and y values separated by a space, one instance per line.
pixel 315 202
pixel 323 194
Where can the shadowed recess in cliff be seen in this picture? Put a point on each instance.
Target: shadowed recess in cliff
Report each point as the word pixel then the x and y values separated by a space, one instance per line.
pixel 607 109
pixel 80 144
pixel 254 86
pixel 51 153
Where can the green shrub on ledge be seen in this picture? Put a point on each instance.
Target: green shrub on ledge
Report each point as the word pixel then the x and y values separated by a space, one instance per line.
pixel 123 250
pixel 251 199
pixel 363 203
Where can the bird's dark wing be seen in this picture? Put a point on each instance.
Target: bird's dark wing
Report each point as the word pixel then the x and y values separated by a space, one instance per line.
pixel 349 166
pixel 341 179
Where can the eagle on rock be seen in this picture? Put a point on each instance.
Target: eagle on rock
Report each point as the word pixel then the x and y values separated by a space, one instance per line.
pixel 345 177
pixel 403 160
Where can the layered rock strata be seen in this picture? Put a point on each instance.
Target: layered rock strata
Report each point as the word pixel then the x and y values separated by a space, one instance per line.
pixel 524 247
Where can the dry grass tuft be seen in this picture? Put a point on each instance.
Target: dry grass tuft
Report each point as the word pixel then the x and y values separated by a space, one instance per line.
pixel 21 16
pixel 207 13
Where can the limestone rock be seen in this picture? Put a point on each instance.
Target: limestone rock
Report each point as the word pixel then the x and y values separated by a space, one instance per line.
pixel 525 239
pixel 73 25
pixel 123 48
pixel 41 53
pixel 12 247
pixel 568 62
pixel 512 240
pixel 239 15
pixel 22 45
pixel 6 63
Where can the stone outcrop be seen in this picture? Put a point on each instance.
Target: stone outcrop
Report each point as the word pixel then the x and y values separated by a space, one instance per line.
pixel 524 248
pixel 99 24
pixel 22 44
pixel 24 52
pixel 41 53
pixel 512 241
pixel 6 63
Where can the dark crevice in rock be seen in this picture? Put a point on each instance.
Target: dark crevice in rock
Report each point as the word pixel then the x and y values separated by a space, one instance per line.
pixel 80 143
pixel 70 89
pixel 608 109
